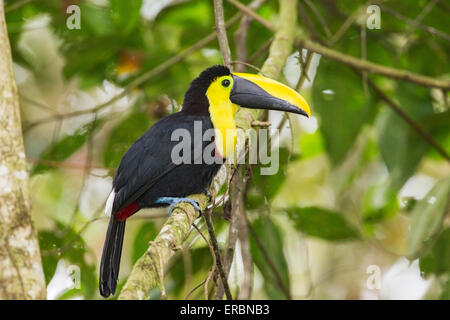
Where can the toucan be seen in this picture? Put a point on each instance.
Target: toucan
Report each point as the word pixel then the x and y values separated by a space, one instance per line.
pixel 148 176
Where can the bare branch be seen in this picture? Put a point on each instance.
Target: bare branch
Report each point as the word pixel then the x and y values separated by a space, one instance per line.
pixel 221 33
pixel 215 245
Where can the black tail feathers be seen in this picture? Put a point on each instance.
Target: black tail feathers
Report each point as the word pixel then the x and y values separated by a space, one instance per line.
pixel 112 250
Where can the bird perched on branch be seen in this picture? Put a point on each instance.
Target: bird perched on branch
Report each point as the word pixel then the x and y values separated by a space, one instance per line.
pixel 157 171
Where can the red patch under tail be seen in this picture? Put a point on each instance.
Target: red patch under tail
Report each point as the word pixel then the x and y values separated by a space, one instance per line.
pixel 126 212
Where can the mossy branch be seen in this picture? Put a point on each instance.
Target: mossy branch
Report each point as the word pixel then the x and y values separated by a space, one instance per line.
pixel 146 272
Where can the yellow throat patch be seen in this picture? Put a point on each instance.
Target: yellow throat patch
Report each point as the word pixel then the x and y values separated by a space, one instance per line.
pixel 222 112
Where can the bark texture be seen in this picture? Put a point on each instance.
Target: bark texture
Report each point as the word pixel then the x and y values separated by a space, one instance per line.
pixel 21 273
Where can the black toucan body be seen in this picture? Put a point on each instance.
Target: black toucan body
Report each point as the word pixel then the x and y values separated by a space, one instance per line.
pixel 149 177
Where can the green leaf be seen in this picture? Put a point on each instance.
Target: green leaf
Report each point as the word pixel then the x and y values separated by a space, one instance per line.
pixel 269 235
pixel 322 223
pixel 201 261
pixel 146 233
pixel 67 146
pixel 91 56
pixel 125 14
pixel 123 136
pixel 379 202
pixel 339 98
pixel 426 218
pixel 95 20
pixel 311 144
pixel 400 146
pixel 437 259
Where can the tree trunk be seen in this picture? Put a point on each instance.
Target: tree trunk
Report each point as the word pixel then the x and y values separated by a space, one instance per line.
pixel 21 273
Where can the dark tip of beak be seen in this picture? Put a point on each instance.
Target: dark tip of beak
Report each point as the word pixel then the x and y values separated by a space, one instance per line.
pixel 302 112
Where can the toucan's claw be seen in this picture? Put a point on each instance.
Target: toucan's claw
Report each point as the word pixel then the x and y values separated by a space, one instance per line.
pixel 208 194
pixel 174 201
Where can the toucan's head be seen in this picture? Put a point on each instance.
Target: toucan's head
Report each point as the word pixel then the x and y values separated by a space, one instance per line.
pixel 219 93
pixel 216 87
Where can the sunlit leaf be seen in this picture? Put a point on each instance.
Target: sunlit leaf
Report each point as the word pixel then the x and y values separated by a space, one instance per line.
pixel 311 144
pixel 426 218
pixel 322 223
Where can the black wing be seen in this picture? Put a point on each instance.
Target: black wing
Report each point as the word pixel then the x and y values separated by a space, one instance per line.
pixel 149 159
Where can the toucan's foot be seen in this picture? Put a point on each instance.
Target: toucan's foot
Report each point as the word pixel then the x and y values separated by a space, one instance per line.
pixel 174 201
pixel 208 194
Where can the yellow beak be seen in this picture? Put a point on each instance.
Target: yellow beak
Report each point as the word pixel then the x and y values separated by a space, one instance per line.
pixel 258 92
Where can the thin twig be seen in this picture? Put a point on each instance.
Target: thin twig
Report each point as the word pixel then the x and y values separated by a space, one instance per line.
pixel 245 64
pixel 213 268
pixel 319 17
pixel 345 26
pixel 67 165
pixel 232 232
pixel 249 11
pixel 304 71
pixel 418 19
pixel 241 36
pixel 17 5
pixel 239 203
pixel 308 23
pixel 221 33
pixel 264 48
pixel 416 23
pixel 38 104
pixel 215 245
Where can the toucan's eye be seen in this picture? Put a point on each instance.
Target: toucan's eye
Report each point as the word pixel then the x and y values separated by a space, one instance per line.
pixel 225 83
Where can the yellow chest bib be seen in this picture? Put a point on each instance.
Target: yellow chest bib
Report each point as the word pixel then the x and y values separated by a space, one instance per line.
pixel 225 130
pixel 222 112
